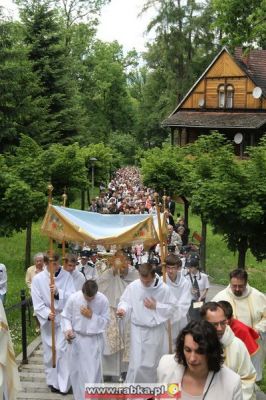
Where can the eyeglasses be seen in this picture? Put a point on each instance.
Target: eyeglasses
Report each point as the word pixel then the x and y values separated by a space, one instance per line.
pixel 238 286
pixel 221 323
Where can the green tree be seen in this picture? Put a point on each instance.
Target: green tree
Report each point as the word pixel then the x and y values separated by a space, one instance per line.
pixel 22 108
pixel 126 145
pixel 65 168
pixel 52 64
pixel 167 169
pixel 226 194
pixel 183 47
pixel 22 191
pixel 106 97
pixel 241 22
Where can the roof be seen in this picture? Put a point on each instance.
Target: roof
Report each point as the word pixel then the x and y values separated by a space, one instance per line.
pixel 216 120
pixel 254 65
pixel 202 75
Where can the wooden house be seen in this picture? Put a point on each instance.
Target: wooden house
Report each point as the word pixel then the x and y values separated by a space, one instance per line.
pixel 230 96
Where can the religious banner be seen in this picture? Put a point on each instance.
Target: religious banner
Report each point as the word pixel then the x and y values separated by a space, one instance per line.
pixel 68 224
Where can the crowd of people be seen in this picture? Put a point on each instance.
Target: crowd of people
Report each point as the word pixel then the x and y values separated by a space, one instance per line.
pixel 116 319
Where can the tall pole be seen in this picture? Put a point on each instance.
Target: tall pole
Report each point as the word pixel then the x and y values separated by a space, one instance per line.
pixel 51 269
pixel 92 179
pixel 163 256
pixel 92 161
pixel 164 199
pixel 156 197
pixel 64 196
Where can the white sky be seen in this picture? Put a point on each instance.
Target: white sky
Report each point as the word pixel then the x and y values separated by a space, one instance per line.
pixel 119 21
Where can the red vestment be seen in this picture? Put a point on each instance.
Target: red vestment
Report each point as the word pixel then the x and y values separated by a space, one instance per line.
pixel 247 334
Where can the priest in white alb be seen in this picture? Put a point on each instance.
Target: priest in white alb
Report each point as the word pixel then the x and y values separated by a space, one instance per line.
pixel 249 307
pixel 84 320
pixel 57 378
pixel 149 304
pixel 113 283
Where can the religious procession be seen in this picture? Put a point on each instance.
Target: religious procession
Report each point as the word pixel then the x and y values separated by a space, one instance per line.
pixel 128 304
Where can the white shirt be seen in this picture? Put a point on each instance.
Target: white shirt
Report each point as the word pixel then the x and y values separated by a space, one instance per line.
pixel 3 279
pixel 202 279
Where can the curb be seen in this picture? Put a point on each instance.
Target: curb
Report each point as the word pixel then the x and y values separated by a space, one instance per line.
pixel 30 349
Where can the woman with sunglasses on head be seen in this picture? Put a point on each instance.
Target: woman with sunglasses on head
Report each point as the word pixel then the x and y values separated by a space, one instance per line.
pixel 198 366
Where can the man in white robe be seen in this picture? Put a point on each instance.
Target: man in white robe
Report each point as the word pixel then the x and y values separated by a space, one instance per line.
pixel 113 283
pixel 84 320
pixel 181 289
pixel 9 378
pixel 71 267
pixel 57 378
pixel 249 307
pixel 236 354
pixel 149 304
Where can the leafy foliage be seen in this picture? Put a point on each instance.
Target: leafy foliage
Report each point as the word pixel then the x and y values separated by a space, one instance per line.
pixel 241 22
pixel 226 195
pixel 22 109
pixel 51 63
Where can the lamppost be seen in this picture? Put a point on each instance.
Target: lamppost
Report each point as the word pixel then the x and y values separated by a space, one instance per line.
pixel 92 161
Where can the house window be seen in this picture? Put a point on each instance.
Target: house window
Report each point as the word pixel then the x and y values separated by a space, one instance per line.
pixel 229 96
pixel 225 96
pixel 221 96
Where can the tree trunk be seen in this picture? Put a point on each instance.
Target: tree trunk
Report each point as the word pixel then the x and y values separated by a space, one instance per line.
pixel 28 245
pixel 186 208
pixel 203 244
pixel 88 197
pixel 242 251
pixel 82 198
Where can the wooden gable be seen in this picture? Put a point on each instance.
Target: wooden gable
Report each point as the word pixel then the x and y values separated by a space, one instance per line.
pixel 223 71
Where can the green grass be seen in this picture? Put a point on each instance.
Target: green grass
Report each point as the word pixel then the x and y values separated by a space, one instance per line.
pixel 220 261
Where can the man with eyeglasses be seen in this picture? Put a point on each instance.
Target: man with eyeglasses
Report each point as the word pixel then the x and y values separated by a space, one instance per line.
pixel 249 307
pixel 236 355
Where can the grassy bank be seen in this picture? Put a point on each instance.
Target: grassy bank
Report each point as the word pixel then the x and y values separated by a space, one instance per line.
pixel 220 260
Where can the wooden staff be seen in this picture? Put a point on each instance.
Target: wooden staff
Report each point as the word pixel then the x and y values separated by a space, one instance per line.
pixel 164 199
pixel 51 269
pixel 64 196
pixel 156 196
pixel 163 256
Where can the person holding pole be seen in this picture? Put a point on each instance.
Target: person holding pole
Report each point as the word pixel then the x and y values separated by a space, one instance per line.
pixel 42 292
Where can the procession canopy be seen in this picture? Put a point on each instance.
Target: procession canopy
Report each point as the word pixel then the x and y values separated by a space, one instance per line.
pixel 68 224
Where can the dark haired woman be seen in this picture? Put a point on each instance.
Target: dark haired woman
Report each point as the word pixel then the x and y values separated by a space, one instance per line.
pixel 197 366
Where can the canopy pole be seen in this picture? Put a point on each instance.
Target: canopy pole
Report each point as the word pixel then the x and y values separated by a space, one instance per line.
pixel 163 256
pixel 156 196
pixel 164 199
pixel 64 196
pixel 51 270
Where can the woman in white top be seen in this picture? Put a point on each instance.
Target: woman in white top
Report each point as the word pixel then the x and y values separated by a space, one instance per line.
pixel 197 366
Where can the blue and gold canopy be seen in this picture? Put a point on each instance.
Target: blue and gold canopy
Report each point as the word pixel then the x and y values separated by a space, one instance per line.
pixel 68 224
